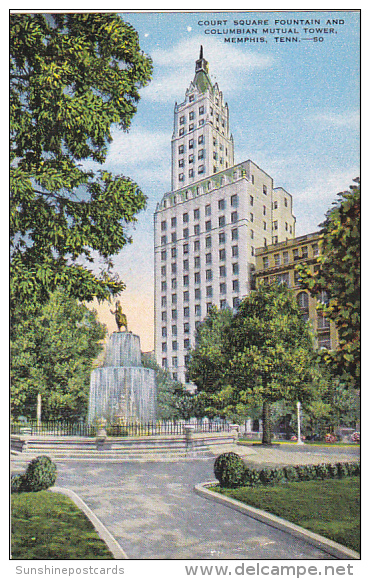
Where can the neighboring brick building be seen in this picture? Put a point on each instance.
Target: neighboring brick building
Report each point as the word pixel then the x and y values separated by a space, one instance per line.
pixel 278 261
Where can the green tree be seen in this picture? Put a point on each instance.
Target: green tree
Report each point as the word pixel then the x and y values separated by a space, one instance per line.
pixel 338 275
pixel 53 354
pixel 72 77
pixel 270 355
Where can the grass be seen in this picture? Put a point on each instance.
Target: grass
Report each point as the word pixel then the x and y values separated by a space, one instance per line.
pixel 48 525
pixel 330 508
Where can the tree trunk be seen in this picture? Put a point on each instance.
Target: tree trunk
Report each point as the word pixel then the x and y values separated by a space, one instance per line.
pixel 266 423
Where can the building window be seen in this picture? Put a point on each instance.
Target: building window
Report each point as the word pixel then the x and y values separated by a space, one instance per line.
pixel 186 296
pixel 163 270
pixel 222 254
pixel 181 162
pixel 163 255
pixel 174 314
pixel 197 293
pixel 164 286
pixel 275 225
pixel 197 310
pixel 235 251
pixel 185 233
pixel 181 149
pixel 234 217
pixel 286 226
pixel 285 202
pixel 185 217
pixel 264 226
pixel 174 345
pixel 181 132
pixel 222 288
pixel 164 362
pixel 275 205
pixel 163 225
pixel 303 303
pixel 285 257
pixel 185 280
pixel 174 362
pixel 191 143
pixel 208 210
pixel 208 258
pixel 251 217
pixel 200 169
pixel 234 201
pixel 235 267
pixel 221 221
pixel 236 302
pixel 264 190
pixel 208 225
pixel 191 158
pixel 324 341
pixel 277 259
pixel 252 234
pixel 174 299
pixel 208 274
pixel 223 304
pixel 208 241
pixel 196 213
pixel 163 301
pixel 304 252
pixel 315 249
pixel 222 271
pixel 221 204
pixel 235 285
pixel 163 240
pixel 322 322
pixel 185 265
pixel 264 210
pixel 197 262
pixel 186 312
pixel 197 277
pixel 186 327
pixel 173 236
pixel 196 229
pixel 164 316
pixel 201 110
pixel 200 139
pixel 186 344
pixel 209 291
pixel 234 233
pixel 191 172
pixel 222 237
pixel 164 332
pixel 196 245
pixel 251 199
pixel 265 262
pixel 185 248
pixel 295 254
pixel 201 154
pixel 181 177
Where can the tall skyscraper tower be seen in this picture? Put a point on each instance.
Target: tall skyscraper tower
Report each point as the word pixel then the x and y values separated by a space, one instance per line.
pixel 209 225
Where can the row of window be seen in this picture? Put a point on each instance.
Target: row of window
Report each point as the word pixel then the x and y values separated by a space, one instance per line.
pixel 197 292
pixel 197 311
pixel 196 228
pixel 283 257
pixel 208 274
pixel 201 111
pixel 208 257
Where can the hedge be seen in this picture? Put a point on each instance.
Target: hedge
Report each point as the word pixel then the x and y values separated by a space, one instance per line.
pixel 231 472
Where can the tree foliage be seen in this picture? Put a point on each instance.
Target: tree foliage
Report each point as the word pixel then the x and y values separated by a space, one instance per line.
pixel 263 354
pixel 339 276
pixel 72 76
pixel 173 401
pixel 53 354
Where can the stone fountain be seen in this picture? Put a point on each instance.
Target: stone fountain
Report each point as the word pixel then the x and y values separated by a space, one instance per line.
pixel 122 390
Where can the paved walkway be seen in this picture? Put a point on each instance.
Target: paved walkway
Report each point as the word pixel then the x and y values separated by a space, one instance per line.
pixel 152 511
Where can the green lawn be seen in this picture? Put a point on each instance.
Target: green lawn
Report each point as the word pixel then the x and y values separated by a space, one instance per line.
pixel 47 525
pixel 330 508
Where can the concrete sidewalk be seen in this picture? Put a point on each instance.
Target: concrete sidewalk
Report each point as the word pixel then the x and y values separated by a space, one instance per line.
pixel 152 511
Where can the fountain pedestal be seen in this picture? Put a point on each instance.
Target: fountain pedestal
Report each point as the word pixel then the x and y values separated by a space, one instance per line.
pixel 122 389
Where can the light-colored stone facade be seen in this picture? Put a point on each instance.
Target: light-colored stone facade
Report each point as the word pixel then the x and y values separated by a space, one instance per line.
pixel 207 230
pixel 277 262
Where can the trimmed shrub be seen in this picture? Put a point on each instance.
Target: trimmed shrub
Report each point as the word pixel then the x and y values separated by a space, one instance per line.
pixel 251 477
pixel 333 470
pixel 290 473
pixel 342 469
pixel 322 471
pixel 354 468
pixel 17 483
pixel 271 476
pixel 40 475
pixel 229 470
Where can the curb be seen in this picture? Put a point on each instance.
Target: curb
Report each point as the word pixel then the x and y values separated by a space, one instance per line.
pixel 104 534
pixel 322 543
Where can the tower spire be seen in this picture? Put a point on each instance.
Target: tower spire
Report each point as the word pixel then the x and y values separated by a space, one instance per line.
pixel 201 65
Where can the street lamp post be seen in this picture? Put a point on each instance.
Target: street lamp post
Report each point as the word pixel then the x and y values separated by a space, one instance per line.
pixel 299 441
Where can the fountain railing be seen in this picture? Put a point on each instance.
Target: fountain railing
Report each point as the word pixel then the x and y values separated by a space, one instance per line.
pixel 151 428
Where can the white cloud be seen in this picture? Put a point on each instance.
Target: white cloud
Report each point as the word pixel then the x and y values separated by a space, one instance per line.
pixel 174 67
pixel 346 119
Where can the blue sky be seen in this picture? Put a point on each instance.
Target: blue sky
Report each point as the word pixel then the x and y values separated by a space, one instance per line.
pixel 294 110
